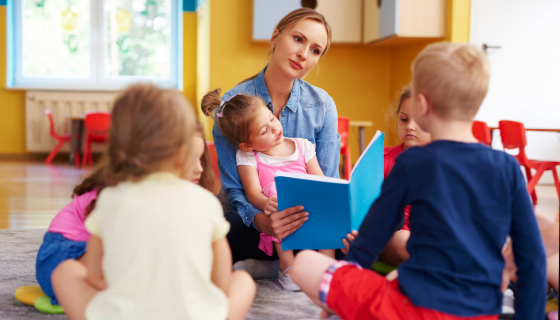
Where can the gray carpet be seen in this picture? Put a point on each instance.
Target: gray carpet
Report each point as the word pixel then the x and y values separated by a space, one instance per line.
pixel 18 249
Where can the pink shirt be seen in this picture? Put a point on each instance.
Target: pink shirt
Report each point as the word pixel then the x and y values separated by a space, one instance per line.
pixel 390 154
pixel 69 222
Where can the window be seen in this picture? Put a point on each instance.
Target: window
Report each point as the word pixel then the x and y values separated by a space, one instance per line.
pixel 96 44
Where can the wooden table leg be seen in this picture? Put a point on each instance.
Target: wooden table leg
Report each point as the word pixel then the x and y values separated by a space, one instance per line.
pixel 73 132
pixel 362 139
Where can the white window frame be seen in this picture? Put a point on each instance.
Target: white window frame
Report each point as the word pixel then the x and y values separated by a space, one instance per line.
pixel 97 79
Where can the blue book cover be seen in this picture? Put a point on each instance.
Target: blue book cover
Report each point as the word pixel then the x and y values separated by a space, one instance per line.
pixel 335 206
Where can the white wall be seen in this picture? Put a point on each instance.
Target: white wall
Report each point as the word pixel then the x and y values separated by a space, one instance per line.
pixel 525 79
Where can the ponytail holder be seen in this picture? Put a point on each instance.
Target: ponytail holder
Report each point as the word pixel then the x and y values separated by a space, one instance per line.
pixel 221 107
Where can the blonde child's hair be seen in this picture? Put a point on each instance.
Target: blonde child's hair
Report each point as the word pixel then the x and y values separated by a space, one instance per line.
pixel 453 77
pixel 235 117
pixel 149 126
pixel 392 112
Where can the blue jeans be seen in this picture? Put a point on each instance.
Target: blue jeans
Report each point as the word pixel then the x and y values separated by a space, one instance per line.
pixel 53 251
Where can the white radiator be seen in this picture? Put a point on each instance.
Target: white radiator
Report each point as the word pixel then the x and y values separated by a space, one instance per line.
pixel 62 105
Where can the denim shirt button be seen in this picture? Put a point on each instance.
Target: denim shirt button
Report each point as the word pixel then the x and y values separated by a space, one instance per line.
pixel 283 115
pixel 246 218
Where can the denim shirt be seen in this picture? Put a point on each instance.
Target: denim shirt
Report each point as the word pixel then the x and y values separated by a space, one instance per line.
pixel 310 113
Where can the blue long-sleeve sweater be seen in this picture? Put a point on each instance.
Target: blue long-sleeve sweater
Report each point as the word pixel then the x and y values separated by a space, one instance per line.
pixel 465 200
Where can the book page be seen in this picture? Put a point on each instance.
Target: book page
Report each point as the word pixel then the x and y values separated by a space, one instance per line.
pixel 377 134
pixel 365 184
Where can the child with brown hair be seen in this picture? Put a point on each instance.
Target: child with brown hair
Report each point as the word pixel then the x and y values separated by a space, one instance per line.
pixel 157 247
pixel 465 199
pixel 67 235
pixel 262 151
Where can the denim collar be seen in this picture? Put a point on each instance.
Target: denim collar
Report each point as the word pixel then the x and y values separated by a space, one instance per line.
pixel 262 91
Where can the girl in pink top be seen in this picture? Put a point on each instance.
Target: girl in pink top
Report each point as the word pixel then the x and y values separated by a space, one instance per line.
pixel 67 236
pixel 262 151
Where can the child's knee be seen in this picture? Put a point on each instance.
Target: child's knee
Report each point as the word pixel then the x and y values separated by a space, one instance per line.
pixel 66 269
pixel 243 278
pixel 301 263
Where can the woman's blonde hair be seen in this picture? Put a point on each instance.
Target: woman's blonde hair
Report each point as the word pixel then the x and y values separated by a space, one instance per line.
pixel 291 20
pixel 149 126
pixel 235 116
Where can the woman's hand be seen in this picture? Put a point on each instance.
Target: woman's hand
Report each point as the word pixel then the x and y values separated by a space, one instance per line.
pixel 283 223
pixel 351 237
pixel 271 206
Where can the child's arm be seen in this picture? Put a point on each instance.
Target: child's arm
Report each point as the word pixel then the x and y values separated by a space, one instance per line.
pixel 313 167
pixel 377 229
pixel 528 251
pixel 221 268
pixel 251 184
pixel 92 261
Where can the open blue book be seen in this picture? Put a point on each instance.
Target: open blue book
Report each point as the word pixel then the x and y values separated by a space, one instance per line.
pixel 335 206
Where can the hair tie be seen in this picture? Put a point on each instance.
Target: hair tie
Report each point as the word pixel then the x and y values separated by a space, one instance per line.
pixel 221 108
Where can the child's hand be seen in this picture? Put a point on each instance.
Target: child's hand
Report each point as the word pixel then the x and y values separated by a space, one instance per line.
pixel 351 237
pixel 271 206
pixel 392 275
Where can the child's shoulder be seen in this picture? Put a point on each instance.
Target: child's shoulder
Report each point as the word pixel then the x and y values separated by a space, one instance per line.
pixel 393 150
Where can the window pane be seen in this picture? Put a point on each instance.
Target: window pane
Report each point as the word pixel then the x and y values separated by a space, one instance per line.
pixel 138 38
pixel 56 38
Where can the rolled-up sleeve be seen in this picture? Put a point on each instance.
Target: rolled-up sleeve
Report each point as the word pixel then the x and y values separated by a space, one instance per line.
pixel 328 141
pixel 231 183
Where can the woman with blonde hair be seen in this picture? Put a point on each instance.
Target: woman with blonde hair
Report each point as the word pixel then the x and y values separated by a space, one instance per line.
pixel 299 40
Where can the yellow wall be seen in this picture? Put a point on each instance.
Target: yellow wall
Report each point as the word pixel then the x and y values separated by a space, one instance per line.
pixel 12 107
pixel 218 52
pixel 189 56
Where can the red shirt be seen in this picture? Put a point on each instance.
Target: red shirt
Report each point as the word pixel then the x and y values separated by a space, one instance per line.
pixel 390 154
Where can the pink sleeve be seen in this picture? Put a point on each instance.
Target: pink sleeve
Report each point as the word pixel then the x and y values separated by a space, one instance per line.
pixel 70 220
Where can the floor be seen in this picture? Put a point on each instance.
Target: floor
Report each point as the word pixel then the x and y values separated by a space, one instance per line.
pixel 18 250
pixel 31 193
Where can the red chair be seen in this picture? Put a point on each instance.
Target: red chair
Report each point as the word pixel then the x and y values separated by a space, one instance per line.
pixel 214 155
pixel 344 130
pixel 513 137
pixel 481 132
pixel 97 130
pixel 61 139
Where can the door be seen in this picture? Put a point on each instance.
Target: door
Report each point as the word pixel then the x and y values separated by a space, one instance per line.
pixel 525 76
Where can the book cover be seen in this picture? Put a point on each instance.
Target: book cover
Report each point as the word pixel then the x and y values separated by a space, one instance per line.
pixel 335 206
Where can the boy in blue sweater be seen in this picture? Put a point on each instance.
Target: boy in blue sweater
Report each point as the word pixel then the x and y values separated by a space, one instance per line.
pixel 465 200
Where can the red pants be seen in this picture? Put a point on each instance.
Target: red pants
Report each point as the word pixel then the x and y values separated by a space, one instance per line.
pixel 362 294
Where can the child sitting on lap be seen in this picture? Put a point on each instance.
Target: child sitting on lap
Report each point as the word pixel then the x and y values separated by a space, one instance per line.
pixel 262 151
pixel 157 248
pixel 465 199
